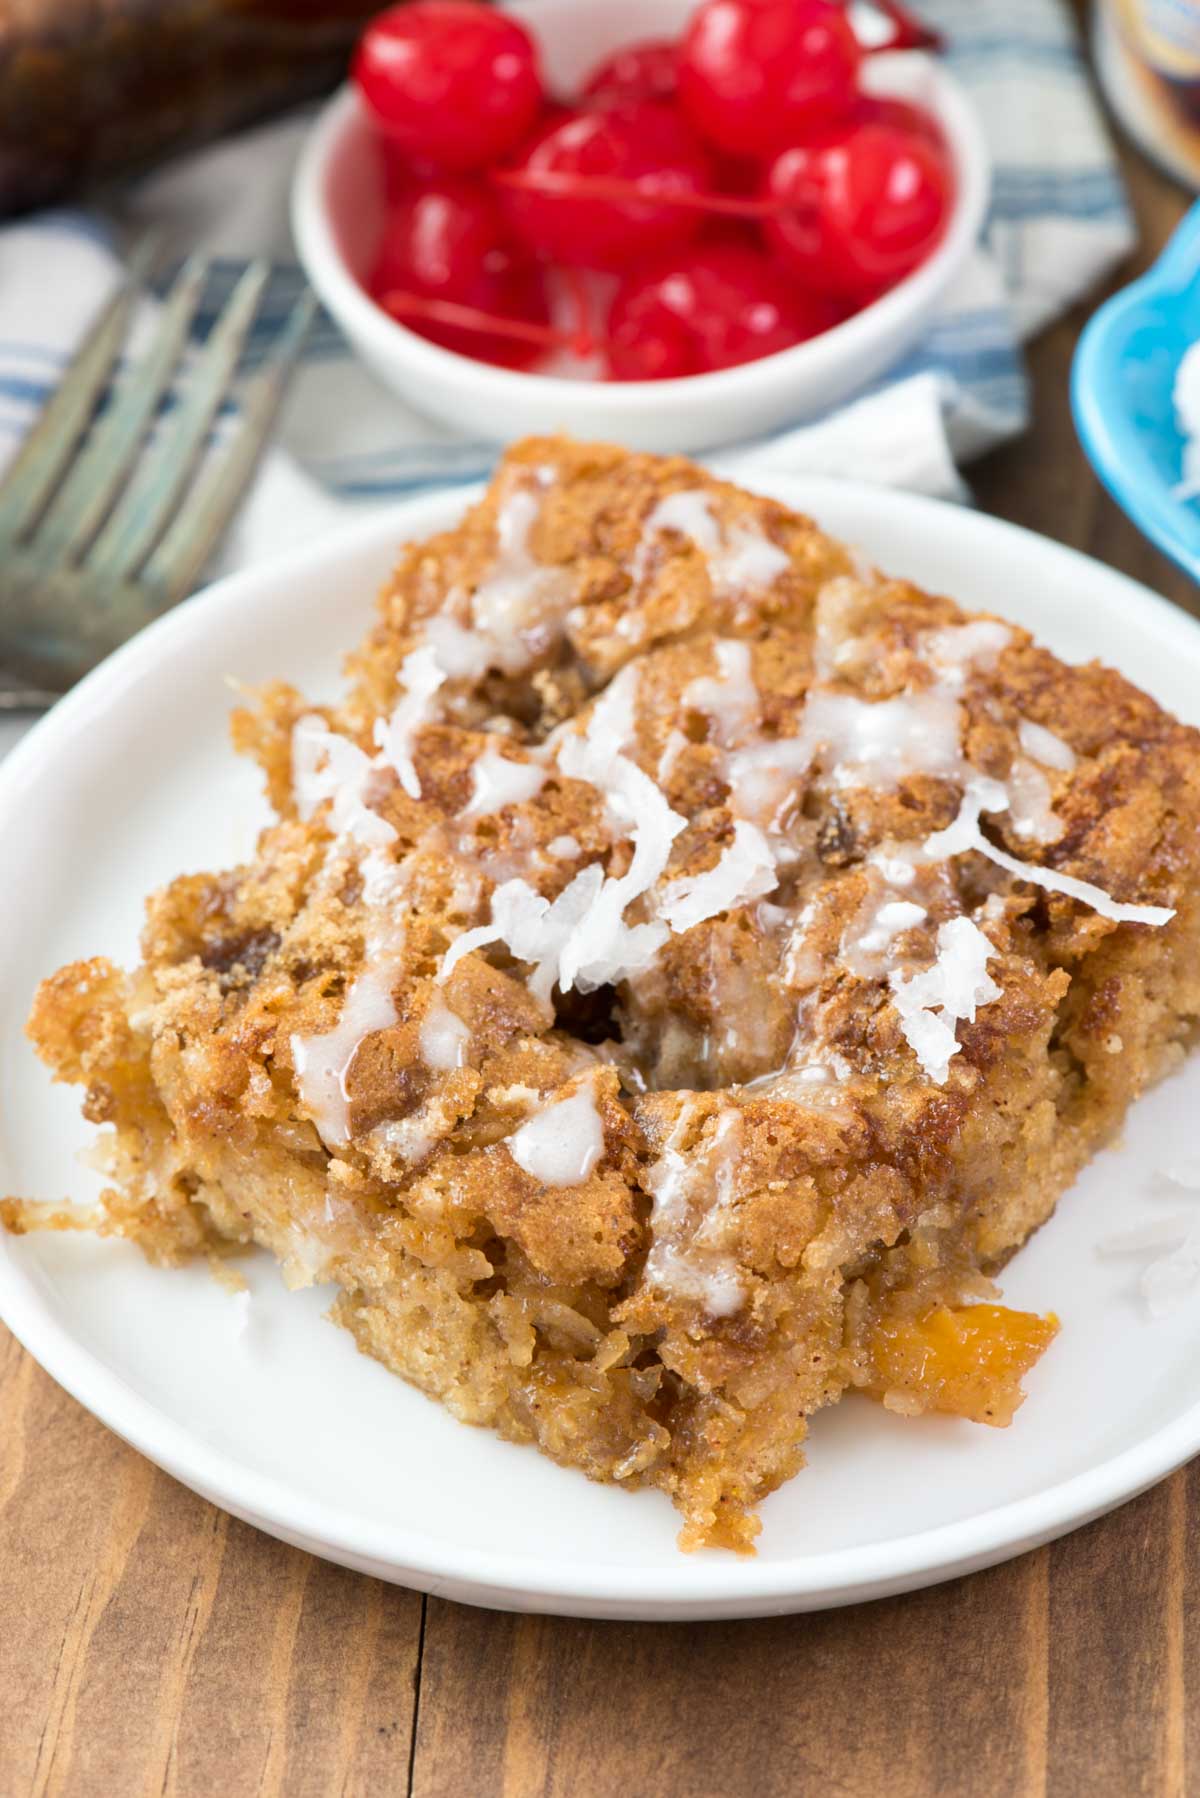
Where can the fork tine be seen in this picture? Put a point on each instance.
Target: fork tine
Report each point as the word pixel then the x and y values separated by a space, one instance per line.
pixel 48 444
pixel 188 542
pixel 78 509
pixel 144 511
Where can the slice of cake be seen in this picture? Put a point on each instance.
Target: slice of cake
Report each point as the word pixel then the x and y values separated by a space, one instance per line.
pixel 682 971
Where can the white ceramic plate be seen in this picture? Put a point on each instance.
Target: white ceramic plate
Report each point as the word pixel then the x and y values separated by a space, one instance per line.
pixel 129 781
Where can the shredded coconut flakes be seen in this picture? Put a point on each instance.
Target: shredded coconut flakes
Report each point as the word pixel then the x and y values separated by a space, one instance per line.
pixel 745 871
pixel 933 1002
pixel 497 781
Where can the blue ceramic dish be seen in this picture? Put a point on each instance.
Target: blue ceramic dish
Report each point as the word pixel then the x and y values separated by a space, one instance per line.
pixel 1121 387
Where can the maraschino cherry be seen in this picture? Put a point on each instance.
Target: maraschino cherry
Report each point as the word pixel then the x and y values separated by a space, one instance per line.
pixel 675 165
pixel 756 75
pixel 902 115
pixel 645 71
pixel 859 209
pixel 448 268
pixel 599 189
pixel 451 82
pixel 707 306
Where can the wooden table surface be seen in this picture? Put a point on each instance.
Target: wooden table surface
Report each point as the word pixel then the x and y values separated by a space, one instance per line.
pixel 150 1644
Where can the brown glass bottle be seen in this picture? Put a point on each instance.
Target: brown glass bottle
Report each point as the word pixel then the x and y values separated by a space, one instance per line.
pixel 95 88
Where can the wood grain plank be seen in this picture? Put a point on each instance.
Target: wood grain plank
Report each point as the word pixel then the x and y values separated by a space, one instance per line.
pixel 306 1672
pixel 1187 1596
pixel 351 1703
pixel 150 1644
pixel 1116 1682
pixel 60 1560
pixel 942 1691
pixel 1042 479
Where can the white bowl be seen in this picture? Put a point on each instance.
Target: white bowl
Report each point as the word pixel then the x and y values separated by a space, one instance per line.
pixel 337 208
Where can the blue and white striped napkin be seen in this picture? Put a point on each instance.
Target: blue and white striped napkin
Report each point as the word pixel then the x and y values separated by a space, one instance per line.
pixel 1058 223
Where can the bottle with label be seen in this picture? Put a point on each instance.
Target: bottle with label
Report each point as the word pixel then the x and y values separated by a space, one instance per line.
pixel 1148 60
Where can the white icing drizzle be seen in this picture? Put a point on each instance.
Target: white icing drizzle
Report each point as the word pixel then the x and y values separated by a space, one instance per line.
pixel 582 939
pixel 328 766
pixel 518 608
pixel 984 795
pixel 738 556
pixel 463 654
pixel 1031 803
pixel 802 966
pixel 955 649
pixel 856 742
pixel 443 1035
pixel 515 617
pixel 895 863
pixel 1041 745
pixel 323 1061
pixel 861 743
pixel 562 848
pixel 672 749
pixel 562 1142
pixel 500 603
pixel 420 676
pixel 749 560
pixel 746 870
pixel 692 1194
pixel 764 778
pixel 834 647
pixel 499 781
pixel 689 512
pixel 730 696
pixel 869 941
pixel 933 1002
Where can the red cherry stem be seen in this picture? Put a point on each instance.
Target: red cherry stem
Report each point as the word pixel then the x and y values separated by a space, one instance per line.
pixel 583 341
pixel 403 304
pixel 908 33
pixel 593 187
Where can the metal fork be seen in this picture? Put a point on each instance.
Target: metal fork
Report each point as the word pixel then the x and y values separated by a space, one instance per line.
pixel 97 537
